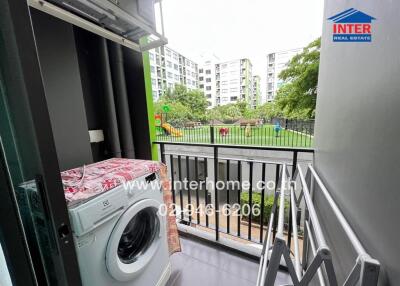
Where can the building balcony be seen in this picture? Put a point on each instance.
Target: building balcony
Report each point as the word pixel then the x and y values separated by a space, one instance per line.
pixel 280 244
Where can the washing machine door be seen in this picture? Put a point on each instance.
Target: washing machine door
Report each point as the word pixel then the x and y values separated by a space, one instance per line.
pixel 134 240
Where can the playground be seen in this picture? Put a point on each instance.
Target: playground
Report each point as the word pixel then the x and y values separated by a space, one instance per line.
pixel 262 135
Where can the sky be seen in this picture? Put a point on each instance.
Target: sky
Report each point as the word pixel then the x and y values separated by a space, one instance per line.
pixel 233 29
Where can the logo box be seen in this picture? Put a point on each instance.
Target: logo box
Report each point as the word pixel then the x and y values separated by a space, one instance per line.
pixel 352 26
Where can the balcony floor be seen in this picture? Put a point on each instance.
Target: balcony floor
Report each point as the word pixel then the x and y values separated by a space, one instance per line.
pixel 202 264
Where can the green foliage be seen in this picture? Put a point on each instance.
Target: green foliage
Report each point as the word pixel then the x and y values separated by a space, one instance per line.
pixel 297 96
pixel 178 113
pixel 194 100
pixel 232 112
pixel 227 113
pixel 267 111
pixel 256 198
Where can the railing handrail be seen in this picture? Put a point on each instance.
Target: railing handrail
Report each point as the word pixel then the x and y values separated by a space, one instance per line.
pixel 281 213
pixel 342 220
pixel 232 158
pixel 234 146
pixel 312 213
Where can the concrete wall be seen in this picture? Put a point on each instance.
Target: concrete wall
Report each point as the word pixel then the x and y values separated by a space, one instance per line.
pixel 61 78
pixel 359 158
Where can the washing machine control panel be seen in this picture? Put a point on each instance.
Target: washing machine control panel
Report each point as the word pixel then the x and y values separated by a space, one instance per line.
pixel 88 216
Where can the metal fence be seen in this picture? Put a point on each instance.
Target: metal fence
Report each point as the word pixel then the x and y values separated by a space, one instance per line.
pixel 222 211
pixel 286 223
pixel 289 134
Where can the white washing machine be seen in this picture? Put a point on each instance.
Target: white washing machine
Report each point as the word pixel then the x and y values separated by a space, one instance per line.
pixel 121 238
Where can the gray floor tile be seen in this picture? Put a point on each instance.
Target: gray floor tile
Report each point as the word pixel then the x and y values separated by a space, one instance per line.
pixel 201 264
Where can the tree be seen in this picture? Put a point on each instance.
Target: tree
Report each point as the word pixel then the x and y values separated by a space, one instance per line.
pixel 297 97
pixel 268 111
pixel 194 100
pixel 178 113
pixel 229 113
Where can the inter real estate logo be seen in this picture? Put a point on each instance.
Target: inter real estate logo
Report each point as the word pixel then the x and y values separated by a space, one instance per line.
pixel 352 26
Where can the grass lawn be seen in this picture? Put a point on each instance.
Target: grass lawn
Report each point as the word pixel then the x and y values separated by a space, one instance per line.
pixel 260 135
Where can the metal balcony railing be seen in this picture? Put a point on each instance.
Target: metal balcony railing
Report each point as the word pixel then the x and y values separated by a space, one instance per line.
pixel 286 227
pixel 225 211
pixel 316 259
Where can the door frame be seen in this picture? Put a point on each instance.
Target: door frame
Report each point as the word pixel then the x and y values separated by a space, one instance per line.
pixel 18 23
pixel 12 234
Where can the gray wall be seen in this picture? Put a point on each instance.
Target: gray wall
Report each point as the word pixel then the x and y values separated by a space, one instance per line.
pixel 358 133
pixel 62 83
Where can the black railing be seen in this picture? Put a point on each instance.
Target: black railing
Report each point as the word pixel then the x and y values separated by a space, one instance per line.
pixel 288 134
pixel 230 209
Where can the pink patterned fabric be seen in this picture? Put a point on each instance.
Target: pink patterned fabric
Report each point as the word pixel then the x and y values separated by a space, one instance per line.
pixel 81 184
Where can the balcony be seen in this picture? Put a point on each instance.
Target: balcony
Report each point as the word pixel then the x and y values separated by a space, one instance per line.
pixel 202 263
pixel 226 245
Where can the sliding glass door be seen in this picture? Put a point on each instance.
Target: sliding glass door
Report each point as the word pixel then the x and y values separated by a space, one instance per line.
pixel 30 185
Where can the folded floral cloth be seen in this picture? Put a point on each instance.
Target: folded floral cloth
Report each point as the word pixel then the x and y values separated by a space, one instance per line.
pixel 81 184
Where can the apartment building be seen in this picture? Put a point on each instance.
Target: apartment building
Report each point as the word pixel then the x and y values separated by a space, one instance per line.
pixel 233 81
pixel 168 67
pixel 276 62
pixel 207 81
pixel 256 98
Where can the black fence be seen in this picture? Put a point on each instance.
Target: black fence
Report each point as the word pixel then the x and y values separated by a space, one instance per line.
pixel 228 210
pixel 289 133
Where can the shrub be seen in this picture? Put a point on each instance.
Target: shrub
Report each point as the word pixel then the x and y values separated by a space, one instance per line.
pixel 256 200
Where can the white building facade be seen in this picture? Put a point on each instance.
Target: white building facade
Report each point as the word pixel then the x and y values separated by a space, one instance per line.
pixel 168 68
pixel 276 62
pixel 207 81
pixel 233 81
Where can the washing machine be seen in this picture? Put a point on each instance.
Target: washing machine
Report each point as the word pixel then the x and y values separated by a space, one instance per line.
pixel 121 237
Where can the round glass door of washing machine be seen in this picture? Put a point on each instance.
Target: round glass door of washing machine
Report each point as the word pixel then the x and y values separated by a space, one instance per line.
pixel 134 240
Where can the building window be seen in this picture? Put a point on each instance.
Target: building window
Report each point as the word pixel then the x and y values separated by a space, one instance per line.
pixel 176 77
pixel 169 74
pixel 234 98
pixel 201 86
pixel 200 70
pixel 208 88
pixel 208 79
pixel 208 71
pixel 152 69
pixel 208 95
pixel 176 67
pixel 201 78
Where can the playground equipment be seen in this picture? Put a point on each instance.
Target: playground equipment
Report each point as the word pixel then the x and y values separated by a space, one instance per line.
pixel 223 131
pixel 277 128
pixel 171 130
pixel 247 131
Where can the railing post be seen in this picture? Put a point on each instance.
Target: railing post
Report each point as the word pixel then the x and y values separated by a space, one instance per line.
pixel 212 141
pixel 162 151
pixel 216 207
pixel 294 166
pixel 277 178
pixel 294 163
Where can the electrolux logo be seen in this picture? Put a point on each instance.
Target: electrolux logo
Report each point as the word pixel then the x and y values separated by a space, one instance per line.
pixel 352 26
